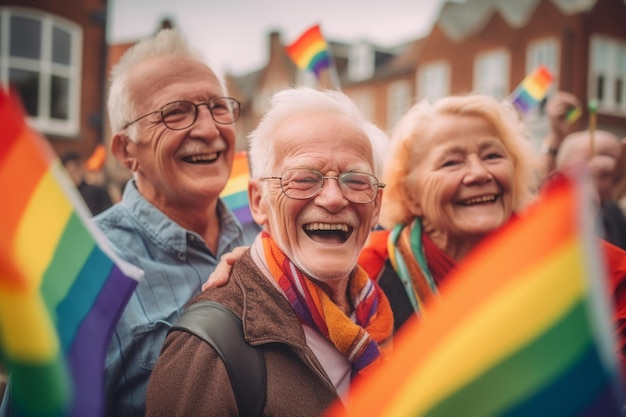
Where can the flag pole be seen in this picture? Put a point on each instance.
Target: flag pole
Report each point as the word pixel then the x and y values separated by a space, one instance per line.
pixel 334 74
pixel 593 120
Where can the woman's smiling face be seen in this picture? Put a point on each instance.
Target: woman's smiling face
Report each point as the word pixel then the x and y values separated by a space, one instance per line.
pixel 462 186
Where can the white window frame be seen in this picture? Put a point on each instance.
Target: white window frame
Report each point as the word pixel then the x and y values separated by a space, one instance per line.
pixel 361 61
pixel 46 68
pixel 492 73
pixel 608 60
pixel 433 80
pixel 399 101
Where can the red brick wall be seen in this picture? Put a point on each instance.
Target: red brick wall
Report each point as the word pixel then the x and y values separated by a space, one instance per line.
pixel 90 15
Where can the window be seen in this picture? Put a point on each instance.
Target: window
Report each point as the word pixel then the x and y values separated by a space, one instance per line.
pixel 360 62
pixel 399 99
pixel 40 57
pixel 607 74
pixel 491 73
pixel 433 80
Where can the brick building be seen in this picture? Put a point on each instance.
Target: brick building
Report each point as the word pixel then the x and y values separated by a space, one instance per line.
pixel 477 45
pixel 54 53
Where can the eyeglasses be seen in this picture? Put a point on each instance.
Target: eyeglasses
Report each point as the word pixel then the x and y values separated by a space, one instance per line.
pixel 304 183
pixel 179 115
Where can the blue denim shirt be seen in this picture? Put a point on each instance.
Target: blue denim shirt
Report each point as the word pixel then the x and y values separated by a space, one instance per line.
pixel 176 263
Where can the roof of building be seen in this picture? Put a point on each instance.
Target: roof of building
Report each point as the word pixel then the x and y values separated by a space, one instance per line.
pixel 458 20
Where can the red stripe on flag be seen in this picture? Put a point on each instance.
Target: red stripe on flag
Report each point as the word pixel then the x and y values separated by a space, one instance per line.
pixel 12 124
pixel 300 46
pixel 543 76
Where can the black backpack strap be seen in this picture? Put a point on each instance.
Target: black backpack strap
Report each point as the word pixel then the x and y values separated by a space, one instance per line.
pixel 223 330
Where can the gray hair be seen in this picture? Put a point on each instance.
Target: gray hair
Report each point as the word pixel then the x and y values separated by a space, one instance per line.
pixel 167 42
pixel 292 101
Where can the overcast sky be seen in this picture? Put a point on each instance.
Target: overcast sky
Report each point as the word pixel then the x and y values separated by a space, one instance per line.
pixel 233 34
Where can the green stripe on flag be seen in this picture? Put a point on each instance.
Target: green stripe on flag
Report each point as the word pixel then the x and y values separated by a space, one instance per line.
pixel 518 376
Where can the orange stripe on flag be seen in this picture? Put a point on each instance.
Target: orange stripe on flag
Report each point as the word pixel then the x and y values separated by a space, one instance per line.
pixel 20 173
pixel 240 165
pixel 303 43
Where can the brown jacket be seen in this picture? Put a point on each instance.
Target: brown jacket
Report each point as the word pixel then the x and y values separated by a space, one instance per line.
pixel 190 379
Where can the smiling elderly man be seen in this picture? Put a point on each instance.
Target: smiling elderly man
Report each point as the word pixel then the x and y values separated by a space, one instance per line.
pixel 316 316
pixel 173 128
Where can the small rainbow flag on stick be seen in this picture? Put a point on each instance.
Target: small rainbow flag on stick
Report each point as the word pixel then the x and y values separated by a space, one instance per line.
pixel 310 51
pixel 62 289
pixel 235 194
pixel 593 122
pixel 532 89
pixel 522 329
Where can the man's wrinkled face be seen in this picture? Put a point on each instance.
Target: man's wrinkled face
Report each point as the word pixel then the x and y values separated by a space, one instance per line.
pixel 179 167
pixel 322 235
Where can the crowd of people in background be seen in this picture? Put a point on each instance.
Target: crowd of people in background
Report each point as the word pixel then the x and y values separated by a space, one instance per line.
pixel 458 169
pixel 89 183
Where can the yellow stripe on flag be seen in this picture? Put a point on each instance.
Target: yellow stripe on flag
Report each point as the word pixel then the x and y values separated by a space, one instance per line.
pixel 547 291
pixel 44 222
pixel 306 57
pixel 27 331
pixel 235 185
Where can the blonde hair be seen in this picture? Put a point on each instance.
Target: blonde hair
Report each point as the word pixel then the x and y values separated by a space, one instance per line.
pixel 408 147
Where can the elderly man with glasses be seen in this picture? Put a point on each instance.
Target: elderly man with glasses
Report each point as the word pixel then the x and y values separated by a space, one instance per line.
pixel 173 128
pixel 315 315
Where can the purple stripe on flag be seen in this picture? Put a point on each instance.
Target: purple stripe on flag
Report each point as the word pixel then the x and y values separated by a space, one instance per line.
pixel 243 215
pixel 320 62
pixel 523 101
pixel 607 403
pixel 86 355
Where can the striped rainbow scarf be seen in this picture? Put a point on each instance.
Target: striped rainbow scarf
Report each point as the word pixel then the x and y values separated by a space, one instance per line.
pixel 407 257
pixel 359 336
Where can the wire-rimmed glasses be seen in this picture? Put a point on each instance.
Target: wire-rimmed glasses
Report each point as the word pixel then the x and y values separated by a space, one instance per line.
pixel 179 115
pixel 305 183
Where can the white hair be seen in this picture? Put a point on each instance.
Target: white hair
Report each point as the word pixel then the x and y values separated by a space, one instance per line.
pixel 292 101
pixel 167 42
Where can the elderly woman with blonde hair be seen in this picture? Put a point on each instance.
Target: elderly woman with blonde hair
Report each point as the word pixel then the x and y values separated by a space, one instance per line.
pixel 457 170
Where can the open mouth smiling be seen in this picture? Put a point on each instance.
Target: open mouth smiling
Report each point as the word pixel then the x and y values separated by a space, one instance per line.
pixel 205 158
pixel 328 232
pixel 483 199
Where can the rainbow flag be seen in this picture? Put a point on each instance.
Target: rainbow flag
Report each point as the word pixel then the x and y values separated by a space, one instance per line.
pixel 522 329
pixel 235 194
pixel 310 51
pixel 532 89
pixel 62 289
